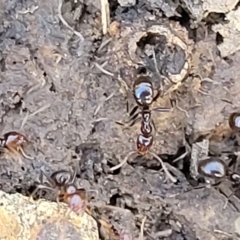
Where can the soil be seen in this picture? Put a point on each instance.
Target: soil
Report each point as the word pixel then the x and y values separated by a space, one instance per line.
pixel 65 85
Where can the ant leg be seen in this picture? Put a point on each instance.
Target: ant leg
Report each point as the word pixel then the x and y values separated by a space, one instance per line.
pixel 14 154
pixel 73 177
pixel 135 121
pixel 133 111
pixel 156 96
pixel 24 154
pixel 123 162
pixel 164 109
pixel 40 187
pixel 154 126
pixel 43 173
pixel 134 118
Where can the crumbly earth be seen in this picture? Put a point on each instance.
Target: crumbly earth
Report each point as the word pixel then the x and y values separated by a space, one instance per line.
pixel 42 220
pixel 64 85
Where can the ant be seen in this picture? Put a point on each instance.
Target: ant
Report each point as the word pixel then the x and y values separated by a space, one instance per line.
pixel 216 171
pixel 12 144
pixel 143 93
pixel 62 182
pixel 144 97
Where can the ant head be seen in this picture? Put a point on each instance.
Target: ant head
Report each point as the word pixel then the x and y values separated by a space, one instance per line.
pixel 234 121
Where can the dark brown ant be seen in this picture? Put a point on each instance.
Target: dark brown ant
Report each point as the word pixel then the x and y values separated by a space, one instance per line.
pixel 144 97
pixel 62 182
pixel 11 145
pixel 143 93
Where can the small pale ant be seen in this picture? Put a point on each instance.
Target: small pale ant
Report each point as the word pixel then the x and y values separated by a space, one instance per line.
pixel 11 145
pixel 62 182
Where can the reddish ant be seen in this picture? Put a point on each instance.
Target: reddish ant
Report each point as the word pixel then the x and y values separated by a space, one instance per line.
pixel 62 182
pixel 143 92
pixel 144 97
pixel 12 144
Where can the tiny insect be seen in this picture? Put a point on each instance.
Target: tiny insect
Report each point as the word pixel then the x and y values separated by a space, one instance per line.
pixel 11 146
pixel 144 96
pixel 62 182
pixel 234 121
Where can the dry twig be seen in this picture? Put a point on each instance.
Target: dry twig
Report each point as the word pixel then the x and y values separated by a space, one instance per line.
pixel 65 23
pixel 123 162
pixel 105 15
pixel 168 174
pixel 103 70
pixel 141 237
pixel 41 109
pixel 101 104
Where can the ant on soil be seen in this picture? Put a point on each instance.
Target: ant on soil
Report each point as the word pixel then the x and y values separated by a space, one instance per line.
pixel 11 145
pixel 215 170
pixel 144 96
pixel 62 182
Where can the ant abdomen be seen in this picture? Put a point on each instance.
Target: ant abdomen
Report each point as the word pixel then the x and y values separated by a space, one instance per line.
pixel 74 198
pixel 234 121
pixel 61 177
pixel 212 168
pixel 144 143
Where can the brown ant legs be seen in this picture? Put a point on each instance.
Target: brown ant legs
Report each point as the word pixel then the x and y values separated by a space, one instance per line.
pixel 134 114
pixel 49 185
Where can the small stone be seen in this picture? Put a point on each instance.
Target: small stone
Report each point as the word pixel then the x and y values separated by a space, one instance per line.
pixel 24 218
